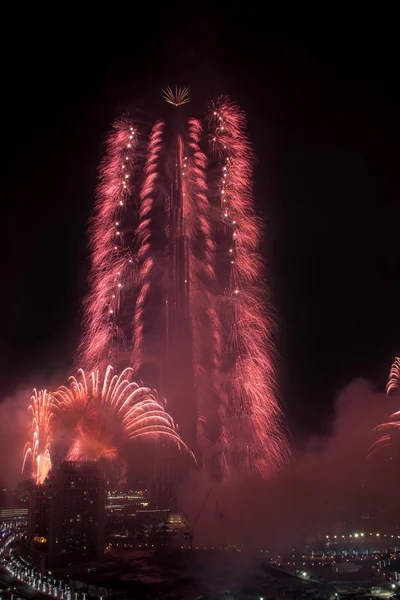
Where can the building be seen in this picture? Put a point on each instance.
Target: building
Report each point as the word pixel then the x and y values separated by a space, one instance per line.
pixel 12 513
pixel 66 523
pixel 178 365
pixel 345 567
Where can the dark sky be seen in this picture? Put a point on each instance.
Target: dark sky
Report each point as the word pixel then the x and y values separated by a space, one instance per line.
pixel 323 115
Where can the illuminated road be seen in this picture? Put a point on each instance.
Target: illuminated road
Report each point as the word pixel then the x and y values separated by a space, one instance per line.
pixel 21 590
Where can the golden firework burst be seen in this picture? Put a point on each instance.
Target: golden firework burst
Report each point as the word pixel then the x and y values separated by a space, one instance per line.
pixel 178 96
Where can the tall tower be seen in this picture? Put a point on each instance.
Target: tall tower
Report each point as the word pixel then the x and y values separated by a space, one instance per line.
pixel 179 375
pixel 178 364
pixel 178 381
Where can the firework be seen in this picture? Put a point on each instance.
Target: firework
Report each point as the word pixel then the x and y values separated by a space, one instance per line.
pixel 199 328
pixel 206 336
pixel 109 409
pixel 251 417
pixel 111 262
pixel 393 385
pixel 102 413
pixel 178 96
pixel 388 429
pixel 393 423
pixel 37 451
pixel 143 236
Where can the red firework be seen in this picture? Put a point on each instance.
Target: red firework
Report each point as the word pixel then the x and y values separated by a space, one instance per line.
pixel 111 263
pixel 223 372
pixel 202 278
pixel 38 451
pixel 251 419
pixel 143 239
pixel 393 385
pixel 101 414
pixel 393 424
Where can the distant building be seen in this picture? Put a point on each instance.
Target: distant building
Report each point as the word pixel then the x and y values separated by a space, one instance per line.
pixel 66 523
pixel 345 567
pixel 13 518
pixel 22 492
pixel 13 512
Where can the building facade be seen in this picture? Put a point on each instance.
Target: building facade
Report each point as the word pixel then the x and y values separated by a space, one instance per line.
pixel 66 524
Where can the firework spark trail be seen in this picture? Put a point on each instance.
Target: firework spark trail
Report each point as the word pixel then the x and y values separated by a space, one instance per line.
pixel 202 278
pixel 38 450
pixel 384 442
pixel 102 412
pixel 230 333
pixel 392 387
pixel 252 434
pixel 143 234
pixel 394 378
pixel 111 263
pixel 115 410
pixel 178 96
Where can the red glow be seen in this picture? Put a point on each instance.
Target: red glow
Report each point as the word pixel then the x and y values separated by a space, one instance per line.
pixel 102 412
pixel 111 263
pixel 393 387
pixel 232 370
pixel 143 235
pixel 251 432
pixel 38 450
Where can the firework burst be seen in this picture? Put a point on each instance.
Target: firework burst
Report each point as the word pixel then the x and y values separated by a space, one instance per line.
pixel 111 261
pixel 109 409
pixel 393 423
pixel 38 451
pixel 197 326
pixel 102 413
pixel 143 238
pixel 251 416
pixel 393 385
pixel 202 277
pixel 177 96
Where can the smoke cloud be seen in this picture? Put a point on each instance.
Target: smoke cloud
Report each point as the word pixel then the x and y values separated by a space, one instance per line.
pixel 14 431
pixel 328 487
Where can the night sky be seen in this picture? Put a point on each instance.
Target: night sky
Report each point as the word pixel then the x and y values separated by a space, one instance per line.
pixel 323 115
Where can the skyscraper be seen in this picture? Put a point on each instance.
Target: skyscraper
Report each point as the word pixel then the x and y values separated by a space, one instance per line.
pixel 178 365
pixel 66 517
pixel 176 286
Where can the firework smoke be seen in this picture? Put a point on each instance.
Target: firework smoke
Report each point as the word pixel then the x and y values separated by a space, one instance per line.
pixel 102 413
